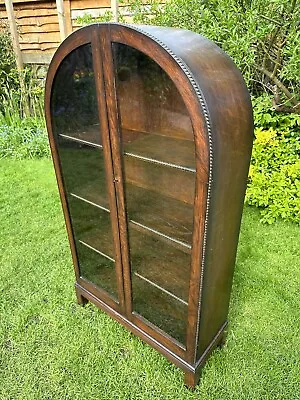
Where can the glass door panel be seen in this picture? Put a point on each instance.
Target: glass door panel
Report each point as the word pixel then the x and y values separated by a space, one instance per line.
pixel 159 171
pixel 77 132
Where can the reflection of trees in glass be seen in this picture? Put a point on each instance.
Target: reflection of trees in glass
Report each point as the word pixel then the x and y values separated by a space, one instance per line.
pixel 74 102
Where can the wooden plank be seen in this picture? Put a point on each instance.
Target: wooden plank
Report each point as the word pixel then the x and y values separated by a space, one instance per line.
pixel 44 37
pixel 38 28
pixel 33 6
pixel 84 4
pixel 25 1
pixel 14 33
pixel 45 12
pixel 39 46
pixel 94 12
pixel 38 21
pixel 37 57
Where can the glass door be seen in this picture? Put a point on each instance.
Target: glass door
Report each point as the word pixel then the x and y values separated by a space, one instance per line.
pixel 78 137
pixel 159 173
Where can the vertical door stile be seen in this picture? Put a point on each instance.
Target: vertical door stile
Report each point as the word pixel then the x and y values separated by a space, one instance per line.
pixel 196 270
pixel 60 183
pixel 102 110
pixel 113 121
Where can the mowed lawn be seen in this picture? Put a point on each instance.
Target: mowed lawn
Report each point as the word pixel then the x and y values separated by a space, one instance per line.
pixel 51 348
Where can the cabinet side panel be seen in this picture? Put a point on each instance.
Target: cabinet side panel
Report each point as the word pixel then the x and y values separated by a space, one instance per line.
pixel 230 117
pixel 223 232
pixel 229 106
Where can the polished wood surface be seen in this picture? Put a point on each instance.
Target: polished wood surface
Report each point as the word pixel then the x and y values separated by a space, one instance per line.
pixel 151 139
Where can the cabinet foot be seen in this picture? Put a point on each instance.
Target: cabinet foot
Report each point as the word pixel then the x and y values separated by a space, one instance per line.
pixel 80 299
pixel 191 379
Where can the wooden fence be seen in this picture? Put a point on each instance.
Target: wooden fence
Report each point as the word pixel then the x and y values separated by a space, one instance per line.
pixel 38 26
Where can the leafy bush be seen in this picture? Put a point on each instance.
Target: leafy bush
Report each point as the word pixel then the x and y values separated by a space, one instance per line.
pixel 89 19
pixel 274 176
pixel 8 73
pixel 261 36
pixel 25 139
pixel 21 93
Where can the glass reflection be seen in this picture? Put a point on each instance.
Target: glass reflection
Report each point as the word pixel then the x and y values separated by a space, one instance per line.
pixel 74 102
pixel 159 160
pixel 159 308
pixel 77 133
pixel 83 170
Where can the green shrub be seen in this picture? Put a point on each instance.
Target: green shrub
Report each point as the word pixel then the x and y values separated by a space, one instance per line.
pixel 274 176
pixel 21 93
pixel 89 19
pixel 262 36
pixel 8 72
pixel 25 139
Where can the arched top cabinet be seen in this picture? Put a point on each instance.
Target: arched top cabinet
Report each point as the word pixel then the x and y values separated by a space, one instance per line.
pixel 151 135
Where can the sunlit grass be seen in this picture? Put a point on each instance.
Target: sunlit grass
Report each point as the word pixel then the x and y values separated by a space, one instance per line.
pixel 50 348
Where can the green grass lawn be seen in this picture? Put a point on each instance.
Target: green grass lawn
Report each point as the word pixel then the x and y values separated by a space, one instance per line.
pixel 51 348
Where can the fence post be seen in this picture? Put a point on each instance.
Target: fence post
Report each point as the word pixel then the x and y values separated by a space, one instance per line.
pixel 61 19
pixel 67 8
pixel 14 33
pixel 115 9
pixel 18 54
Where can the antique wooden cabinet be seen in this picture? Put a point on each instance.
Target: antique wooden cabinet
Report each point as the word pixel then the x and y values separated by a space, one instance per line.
pixel 151 135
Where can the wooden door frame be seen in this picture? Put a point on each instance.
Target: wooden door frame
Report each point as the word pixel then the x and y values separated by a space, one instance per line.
pixel 135 38
pixel 77 39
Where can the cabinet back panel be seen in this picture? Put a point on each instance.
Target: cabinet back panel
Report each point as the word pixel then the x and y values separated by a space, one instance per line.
pixel 167 181
pixel 148 99
pixel 164 214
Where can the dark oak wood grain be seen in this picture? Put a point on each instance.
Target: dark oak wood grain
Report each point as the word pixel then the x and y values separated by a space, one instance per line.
pixel 151 133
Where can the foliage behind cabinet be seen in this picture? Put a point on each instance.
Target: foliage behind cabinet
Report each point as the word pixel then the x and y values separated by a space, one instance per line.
pixel 151 134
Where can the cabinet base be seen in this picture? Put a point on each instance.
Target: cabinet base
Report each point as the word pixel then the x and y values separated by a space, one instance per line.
pixel 80 299
pixel 191 378
pixel 191 372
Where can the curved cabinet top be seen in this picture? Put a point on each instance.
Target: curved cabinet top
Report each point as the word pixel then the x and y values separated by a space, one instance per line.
pixel 206 77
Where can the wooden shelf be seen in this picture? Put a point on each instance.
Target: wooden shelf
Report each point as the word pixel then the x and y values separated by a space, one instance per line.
pixel 161 263
pixel 157 259
pixel 157 215
pixel 164 150
pixel 166 215
pixel 155 207
pixel 83 172
pixel 97 268
pixel 152 147
pixel 170 294
pixel 159 308
pixel 92 226
pixel 91 136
